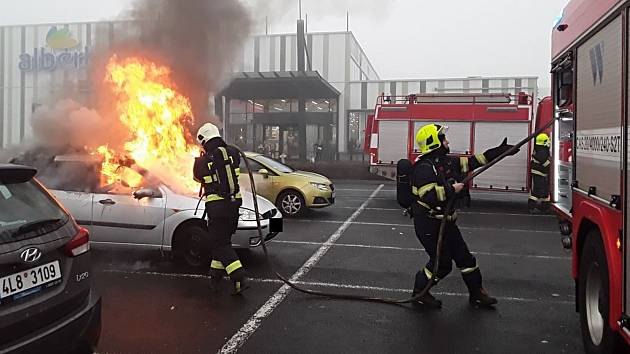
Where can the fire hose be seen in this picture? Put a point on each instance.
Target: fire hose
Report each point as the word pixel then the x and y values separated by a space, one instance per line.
pixel 447 211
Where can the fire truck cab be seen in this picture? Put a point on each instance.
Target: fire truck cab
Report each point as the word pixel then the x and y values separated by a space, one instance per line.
pixel 590 164
pixel 476 122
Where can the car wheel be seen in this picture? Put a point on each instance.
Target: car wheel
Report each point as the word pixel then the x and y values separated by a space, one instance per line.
pixel 594 299
pixel 192 246
pixel 291 203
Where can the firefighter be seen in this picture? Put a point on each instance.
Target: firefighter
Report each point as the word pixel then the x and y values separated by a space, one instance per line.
pixel 217 169
pixel 433 183
pixel 539 195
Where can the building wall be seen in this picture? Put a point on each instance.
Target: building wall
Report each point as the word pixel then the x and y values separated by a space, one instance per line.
pixel 337 56
pixel 35 71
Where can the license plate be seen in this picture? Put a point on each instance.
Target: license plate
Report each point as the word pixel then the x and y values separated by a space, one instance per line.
pixel 275 225
pixel 29 279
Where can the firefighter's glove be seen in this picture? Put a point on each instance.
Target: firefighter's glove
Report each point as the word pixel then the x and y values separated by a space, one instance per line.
pixel 495 152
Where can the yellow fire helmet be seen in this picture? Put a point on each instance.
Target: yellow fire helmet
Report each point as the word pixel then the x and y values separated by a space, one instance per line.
pixel 428 139
pixel 543 140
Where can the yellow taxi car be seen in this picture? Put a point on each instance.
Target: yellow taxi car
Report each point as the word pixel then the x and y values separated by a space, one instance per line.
pixel 293 191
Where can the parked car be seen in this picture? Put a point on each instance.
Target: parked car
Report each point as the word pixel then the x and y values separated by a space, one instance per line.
pixel 147 214
pixel 292 191
pixel 47 302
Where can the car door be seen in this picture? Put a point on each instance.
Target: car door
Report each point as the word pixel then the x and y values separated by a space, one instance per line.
pixel 79 204
pixel 121 218
pixel 264 184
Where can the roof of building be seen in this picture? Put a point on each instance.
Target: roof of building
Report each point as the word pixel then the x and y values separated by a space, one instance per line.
pixel 279 84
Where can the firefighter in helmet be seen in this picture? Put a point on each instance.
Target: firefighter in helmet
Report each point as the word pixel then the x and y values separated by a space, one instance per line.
pixel 539 195
pixel 217 169
pixel 434 181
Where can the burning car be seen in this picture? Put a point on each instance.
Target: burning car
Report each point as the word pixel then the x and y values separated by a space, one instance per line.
pixel 139 210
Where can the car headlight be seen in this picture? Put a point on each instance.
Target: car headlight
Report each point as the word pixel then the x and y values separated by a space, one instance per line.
pixel 246 215
pixel 320 186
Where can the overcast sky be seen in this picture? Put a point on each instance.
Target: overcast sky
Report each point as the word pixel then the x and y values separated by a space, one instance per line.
pixel 404 39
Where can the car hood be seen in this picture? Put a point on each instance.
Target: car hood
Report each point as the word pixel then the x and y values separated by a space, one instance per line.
pixel 311 177
pixel 183 202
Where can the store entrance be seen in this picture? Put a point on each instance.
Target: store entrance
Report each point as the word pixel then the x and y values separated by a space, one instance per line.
pixel 280 141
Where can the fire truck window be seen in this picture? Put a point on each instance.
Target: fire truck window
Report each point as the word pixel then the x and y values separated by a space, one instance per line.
pixel 565 87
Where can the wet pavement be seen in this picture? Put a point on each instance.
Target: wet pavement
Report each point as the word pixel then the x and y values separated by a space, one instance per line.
pixel 361 245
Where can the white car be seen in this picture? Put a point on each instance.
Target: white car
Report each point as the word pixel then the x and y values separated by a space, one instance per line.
pixel 151 215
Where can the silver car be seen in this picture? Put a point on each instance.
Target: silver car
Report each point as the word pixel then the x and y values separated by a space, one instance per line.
pixel 149 214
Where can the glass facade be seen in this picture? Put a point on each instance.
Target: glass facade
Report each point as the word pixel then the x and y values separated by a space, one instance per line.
pixel 277 128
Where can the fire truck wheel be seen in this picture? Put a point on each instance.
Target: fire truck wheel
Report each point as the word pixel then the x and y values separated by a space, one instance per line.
pixel 593 299
pixel 291 203
pixel 191 247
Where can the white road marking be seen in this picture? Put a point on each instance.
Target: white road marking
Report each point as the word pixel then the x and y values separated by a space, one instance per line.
pixel 459 212
pixel 344 286
pixel 240 337
pixel 361 190
pixel 415 249
pixel 411 226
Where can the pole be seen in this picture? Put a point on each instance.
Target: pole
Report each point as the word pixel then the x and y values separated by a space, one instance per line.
pixel 266 25
pixel 300 8
pixel 347 21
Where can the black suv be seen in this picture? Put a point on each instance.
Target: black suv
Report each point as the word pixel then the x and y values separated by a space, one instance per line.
pixel 47 302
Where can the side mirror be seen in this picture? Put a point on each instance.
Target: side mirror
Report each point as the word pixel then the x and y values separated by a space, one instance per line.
pixel 145 193
pixel 264 172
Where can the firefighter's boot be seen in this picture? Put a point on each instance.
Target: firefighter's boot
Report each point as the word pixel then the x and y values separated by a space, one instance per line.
pixel 216 275
pixel 481 298
pixel 238 277
pixel 478 295
pixel 240 285
pixel 427 300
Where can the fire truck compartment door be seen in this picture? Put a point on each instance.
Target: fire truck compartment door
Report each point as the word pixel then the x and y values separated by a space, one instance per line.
pixel 393 141
pixel 458 135
pixel 512 171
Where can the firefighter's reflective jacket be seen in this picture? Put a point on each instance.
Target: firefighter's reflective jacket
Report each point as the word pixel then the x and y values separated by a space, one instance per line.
pixel 540 166
pixel 541 162
pixel 433 178
pixel 218 171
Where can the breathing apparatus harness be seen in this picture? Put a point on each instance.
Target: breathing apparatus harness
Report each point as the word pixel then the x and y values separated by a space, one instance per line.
pixel 447 211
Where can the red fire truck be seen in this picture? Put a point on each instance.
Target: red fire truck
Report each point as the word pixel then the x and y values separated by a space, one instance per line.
pixel 476 122
pixel 590 170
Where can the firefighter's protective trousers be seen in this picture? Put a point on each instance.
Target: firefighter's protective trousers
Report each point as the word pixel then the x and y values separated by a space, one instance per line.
pixel 222 223
pixel 454 250
pixel 218 171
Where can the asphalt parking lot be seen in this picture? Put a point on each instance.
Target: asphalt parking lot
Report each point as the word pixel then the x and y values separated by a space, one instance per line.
pixel 361 245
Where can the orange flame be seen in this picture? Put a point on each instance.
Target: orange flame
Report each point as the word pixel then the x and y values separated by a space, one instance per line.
pixel 149 106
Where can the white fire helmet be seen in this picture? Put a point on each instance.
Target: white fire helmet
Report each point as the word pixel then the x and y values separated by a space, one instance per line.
pixel 207 132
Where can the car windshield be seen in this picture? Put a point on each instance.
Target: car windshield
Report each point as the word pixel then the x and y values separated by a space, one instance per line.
pixel 27 211
pixel 276 165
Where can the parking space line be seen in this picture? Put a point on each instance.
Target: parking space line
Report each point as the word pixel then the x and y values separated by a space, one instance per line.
pixel 411 226
pixel 458 212
pixel 342 286
pixel 241 336
pixel 415 249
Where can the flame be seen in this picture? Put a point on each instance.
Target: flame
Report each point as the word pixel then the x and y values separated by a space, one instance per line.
pixel 148 104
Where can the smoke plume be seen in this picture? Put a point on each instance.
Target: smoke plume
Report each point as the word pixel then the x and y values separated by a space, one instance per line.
pixel 198 39
pixel 68 123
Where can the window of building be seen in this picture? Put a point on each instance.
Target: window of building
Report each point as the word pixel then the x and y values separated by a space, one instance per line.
pixel 356 131
pixel 321 105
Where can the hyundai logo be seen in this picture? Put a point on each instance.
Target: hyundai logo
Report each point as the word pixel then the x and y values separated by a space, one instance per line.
pixel 31 255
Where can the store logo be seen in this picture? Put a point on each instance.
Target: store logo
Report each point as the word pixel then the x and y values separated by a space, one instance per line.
pixel 61 51
pixel 597 62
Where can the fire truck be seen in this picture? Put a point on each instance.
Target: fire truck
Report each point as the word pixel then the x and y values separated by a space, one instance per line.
pixel 590 163
pixel 476 122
